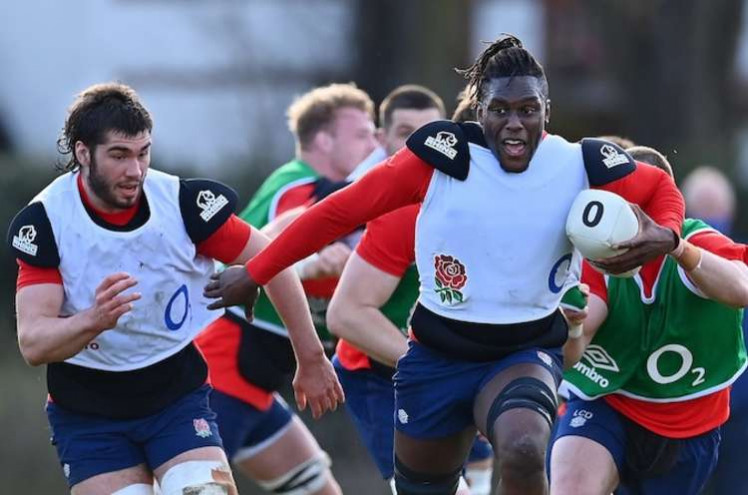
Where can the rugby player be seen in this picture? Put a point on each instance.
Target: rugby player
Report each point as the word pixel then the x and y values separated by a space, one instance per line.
pixel 493 261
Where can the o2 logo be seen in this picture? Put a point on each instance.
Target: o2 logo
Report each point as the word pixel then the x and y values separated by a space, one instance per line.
pixel 177 309
pixel 686 361
pixel 560 267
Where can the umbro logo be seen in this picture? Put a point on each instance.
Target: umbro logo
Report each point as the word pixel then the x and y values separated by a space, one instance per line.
pixel 210 204
pixel 402 416
pixel 24 240
pixel 611 156
pixel 444 142
pixel 599 358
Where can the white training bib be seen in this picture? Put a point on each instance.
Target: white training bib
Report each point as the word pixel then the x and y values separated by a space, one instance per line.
pixel 492 248
pixel 159 255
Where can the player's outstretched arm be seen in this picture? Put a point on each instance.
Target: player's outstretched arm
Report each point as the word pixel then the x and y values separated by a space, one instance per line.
pixel 719 279
pixel 315 383
pixel 45 337
pixel 354 313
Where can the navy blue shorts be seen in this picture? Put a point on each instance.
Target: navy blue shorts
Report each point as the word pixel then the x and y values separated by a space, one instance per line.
pixel 245 429
pixel 434 394
pixel 370 401
pixel 90 445
pixel 599 422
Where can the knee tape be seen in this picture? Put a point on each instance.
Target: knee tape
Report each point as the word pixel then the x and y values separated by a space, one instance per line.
pixel 527 393
pixel 306 478
pixel 198 478
pixel 137 489
pixel 409 482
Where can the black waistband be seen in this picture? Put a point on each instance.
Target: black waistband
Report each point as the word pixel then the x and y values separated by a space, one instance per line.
pixel 126 394
pixel 485 341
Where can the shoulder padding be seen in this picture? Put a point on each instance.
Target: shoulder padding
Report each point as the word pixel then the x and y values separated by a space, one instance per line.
pixel 31 239
pixel 205 205
pixel 605 161
pixel 444 146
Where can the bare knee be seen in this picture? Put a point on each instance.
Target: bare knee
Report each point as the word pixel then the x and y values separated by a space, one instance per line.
pixel 521 455
pixel 580 466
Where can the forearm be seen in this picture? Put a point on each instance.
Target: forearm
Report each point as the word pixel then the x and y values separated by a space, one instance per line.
pixel 719 279
pixel 369 330
pixel 597 312
pixel 287 295
pixel 45 340
pixel 573 350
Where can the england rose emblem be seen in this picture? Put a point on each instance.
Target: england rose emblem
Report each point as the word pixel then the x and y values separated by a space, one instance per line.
pixel 450 277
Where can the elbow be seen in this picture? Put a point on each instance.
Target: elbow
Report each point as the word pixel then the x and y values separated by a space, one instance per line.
pixel 337 319
pixel 31 354
pixel 741 299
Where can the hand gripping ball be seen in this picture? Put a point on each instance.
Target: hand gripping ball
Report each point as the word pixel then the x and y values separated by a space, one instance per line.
pixel 597 221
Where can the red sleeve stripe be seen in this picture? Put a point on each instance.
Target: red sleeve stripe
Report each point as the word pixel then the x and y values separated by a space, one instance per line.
pixel 226 243
pixel 34 275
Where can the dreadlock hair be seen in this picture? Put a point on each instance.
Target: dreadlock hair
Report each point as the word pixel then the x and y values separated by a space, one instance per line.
pixel 97 110
pixel 505 57
pixel 465 111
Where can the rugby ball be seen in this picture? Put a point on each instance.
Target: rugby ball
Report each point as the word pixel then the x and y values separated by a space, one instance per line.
pixel 597 221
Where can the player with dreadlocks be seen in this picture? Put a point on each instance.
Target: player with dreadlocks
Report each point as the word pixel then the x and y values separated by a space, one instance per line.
pixel 493 262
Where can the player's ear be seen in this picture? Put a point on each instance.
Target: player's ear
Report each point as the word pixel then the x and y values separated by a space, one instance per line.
pixel 479 111
pixel 82 153
pixel 323 141
pixel 547 110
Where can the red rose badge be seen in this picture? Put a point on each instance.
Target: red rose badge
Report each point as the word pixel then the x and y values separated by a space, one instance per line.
pixel 450 277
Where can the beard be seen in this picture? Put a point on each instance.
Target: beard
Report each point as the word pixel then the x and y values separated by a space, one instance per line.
pixel 105 191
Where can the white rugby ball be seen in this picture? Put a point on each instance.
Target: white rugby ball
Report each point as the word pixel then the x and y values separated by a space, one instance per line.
pixel 599 220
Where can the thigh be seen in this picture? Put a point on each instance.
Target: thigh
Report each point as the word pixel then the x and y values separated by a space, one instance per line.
pixel 596 422
pixel 213 467
pixel 113 481
pixel 244 428
pixel 370 401
pixel 434 456
pixel 543 365
pixel 580 465
pixel 294 446
pixel 184 426
pixel 434 394
pixel 587 449
pixel 697 459
pixel 90 446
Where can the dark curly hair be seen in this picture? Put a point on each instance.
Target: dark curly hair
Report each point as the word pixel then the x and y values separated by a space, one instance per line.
pixel 97 110
pixel 505 57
